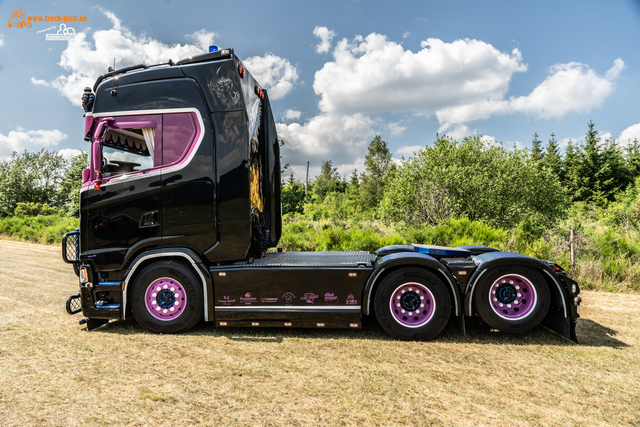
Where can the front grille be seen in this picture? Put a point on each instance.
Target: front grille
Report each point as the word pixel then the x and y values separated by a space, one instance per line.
pixel 71 246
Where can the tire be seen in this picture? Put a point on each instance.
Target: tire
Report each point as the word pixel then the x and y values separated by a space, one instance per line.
pixel 167 297
pixel 512 299
pixel 401 293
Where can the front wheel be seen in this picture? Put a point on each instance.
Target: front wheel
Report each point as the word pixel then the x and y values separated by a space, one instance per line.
pixel 412 304
pixel 512 299
pixel 167 297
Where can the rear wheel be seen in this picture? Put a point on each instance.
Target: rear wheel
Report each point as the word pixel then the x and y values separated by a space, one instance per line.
pixel 412 304
pixel 512 299
pixel 167 297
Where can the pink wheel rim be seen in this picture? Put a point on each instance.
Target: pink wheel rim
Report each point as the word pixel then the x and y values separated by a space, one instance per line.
pixel 165 299
pixel 412 305
pixel 513 297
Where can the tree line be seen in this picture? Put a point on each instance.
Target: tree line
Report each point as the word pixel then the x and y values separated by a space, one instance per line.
pixel 40 183
pixel 475 179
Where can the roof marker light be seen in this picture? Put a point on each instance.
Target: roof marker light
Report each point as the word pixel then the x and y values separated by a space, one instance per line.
pixel 213 48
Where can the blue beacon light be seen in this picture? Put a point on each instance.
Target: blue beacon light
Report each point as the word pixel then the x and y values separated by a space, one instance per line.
pixel 213 48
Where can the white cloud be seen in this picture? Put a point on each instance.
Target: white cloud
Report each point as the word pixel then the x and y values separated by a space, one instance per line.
pixel 69 153
pixel 459 82
pixel 342 139
pixel 22 139
pixel 396 129
pixel 564 142
pixel 629 134
pixel 458 132
pixel 39 82
pixel 571 87
pixel 605 136
pixel 325 35
pixel 85 60
pixel 407 150
pixel 291 115
pixel 406 34
pixel 276 74
pixel 202 38
pixel 1 39
pixel 374 75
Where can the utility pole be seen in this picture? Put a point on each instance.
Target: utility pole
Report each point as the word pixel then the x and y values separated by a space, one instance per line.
pixel 306 182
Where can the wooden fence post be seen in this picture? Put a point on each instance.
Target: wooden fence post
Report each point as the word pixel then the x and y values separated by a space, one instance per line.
pixel 573 250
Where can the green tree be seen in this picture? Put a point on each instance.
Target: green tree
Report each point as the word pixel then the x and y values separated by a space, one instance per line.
pixel 292 196
pixel 552 158
pixel 632 158
pixel 616 175
pixel 536 148
pixel 377 163
pixel 328 181
pixel 571 179
pixel 601 170
pixel 30 177
pixel 69 192
pixel 476 181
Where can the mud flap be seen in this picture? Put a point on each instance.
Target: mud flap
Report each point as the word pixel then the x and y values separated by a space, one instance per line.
pixel 93 323
pixel 461 325
pixel 561 325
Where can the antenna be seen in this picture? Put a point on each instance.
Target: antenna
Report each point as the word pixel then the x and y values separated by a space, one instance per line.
pixel 113 78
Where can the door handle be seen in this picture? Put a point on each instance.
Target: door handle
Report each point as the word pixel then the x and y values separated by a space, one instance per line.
pixel 149 219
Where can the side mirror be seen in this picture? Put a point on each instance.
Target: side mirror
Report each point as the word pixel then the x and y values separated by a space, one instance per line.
pixel 102 128
pixel 86 174
pixel 96 158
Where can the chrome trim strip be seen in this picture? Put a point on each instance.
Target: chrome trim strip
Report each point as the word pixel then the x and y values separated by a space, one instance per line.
pixel 290 308
pixel 453 290
pixel 375 279
pixel 471 292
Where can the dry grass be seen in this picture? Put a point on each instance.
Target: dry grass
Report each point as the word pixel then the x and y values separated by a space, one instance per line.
pixel 54 373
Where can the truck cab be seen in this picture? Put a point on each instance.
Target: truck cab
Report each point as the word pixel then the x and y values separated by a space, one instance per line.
pixel 181 202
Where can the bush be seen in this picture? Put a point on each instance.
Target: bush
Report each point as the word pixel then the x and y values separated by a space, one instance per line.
pixel 47 229
pixel 473 180
pixel 33 209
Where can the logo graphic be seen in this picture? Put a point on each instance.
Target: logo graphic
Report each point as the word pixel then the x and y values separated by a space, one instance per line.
pixel 267 299
pixel 248 299
pixel 330 298
pixel 351 300
pixel 18 19
pixel 288 298
pixel 309 297
pixel 226 300
pixel 64 33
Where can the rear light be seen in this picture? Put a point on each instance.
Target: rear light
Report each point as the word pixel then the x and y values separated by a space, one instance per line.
pixel 259 92
pixel 241 70
pixel 557 268
pixel 97 186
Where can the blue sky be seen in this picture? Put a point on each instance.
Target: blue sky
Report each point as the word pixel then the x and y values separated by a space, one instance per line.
pixel 341 72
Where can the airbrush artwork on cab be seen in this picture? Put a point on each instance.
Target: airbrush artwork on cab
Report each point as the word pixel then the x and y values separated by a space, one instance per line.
pixel 255 156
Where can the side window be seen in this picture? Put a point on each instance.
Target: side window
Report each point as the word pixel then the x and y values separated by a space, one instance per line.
pixel 129 147
pixel 178 136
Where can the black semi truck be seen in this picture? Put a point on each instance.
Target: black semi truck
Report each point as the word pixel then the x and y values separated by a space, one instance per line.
pixel 181 202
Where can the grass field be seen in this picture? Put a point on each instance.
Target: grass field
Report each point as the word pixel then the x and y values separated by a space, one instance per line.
pixel 54 373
